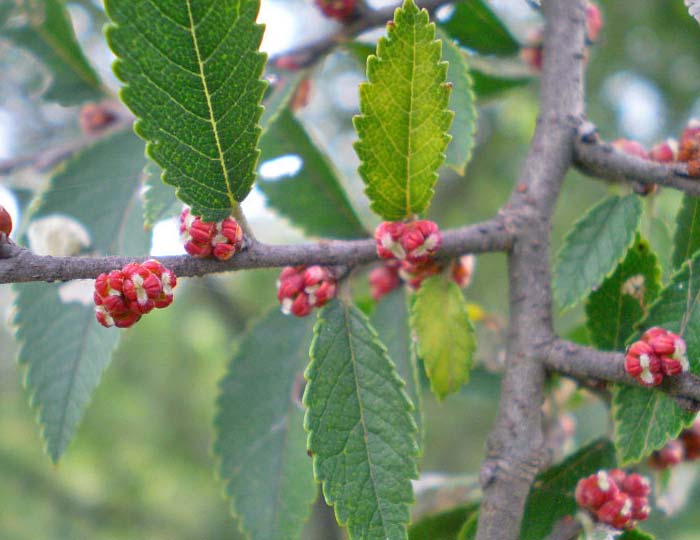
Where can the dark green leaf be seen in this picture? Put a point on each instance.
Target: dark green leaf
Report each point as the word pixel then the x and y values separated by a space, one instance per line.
pixel 361 431
pixel 284 88
pixel 635 534
pixel 462 100
pixel 391 320
pixel 622 299
pixel 404 118
pixel 260 439
pixel 192 72
pixel 488 86
pixel 594 246
pixel 646 419
pixel 48 34
pixel 470 528
pixel 445 335
pixel 443 526
pixel 687 239
pixel 65 352
pixel 476 27
pixel 312 198
pixel 99 187
pixel 552 494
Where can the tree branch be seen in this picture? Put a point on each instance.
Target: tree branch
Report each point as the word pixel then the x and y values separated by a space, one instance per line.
pixel 20 265
pixel 599 159
pixel 516 447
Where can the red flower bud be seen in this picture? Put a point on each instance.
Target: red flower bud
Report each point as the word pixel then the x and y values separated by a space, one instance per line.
pixel 387 236
pixel 670 455
pixel 594 21
pixel 5 221
pixel 300 289
pixel 691 441
pixel 384 279
pixel 617 512
pixel 420 240
pixel 632 148
pixel 689 144
pixel 643 364
pixel 463 269
pixel 594 491
pixel 636 485
pixel 341 10
pixel 665 152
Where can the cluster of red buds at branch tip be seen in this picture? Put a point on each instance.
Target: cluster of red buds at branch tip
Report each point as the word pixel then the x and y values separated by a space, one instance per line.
pixel 615 498
pixel 657 354
pixel 5 224
pixel 300 289
pixel 532 53
pixel 123 296
pixel 340 10
pixel 685 448
pixel 222 239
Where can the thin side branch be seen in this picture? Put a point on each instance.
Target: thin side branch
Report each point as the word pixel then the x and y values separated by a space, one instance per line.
pixel 599 159
pixel 21 265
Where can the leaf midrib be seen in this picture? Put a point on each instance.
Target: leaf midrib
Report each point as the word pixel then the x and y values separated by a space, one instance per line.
pixel 365 431
pixel 410 121
pixel 207 95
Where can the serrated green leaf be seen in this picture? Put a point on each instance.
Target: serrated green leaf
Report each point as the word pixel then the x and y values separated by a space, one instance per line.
pixel 646 419
pixel 552 494
pixel 361 431
pixel 65 352
pixel 594 246
pixel 476 27
pixel 260 439
pixel 404 119
pixel 622 299
pixel 99 187
pixel 192 73
pixel 442 526
pixel 312 198
pixel 445 335
pixel 470 528
pixel 462 102
pixel 686 241
pixel 48 34
pixel 391 321
pixel 159 200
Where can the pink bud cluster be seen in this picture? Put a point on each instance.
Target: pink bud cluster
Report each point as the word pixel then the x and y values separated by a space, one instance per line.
pixel 657 354
pixel 685 448
pixel 300 289
pixel 222 239
pixel 123 296
pixel 393 273
pixel 615 498
pixel 340 10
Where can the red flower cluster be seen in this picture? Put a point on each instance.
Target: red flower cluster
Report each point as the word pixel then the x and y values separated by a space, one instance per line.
pixel 669 151
pixel 341 10
pixel 615 497
pixel 659 353
pixel 222 239
pixel 685 448
pixel 300 289
pixel 123 296
pixel 390 275
pixel 5 222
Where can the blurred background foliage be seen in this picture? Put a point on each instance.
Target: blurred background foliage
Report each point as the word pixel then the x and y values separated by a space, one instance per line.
pixel 141 464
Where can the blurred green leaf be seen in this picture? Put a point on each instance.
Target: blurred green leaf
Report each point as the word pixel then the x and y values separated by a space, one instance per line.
pixel 645 418
pixel 594 246
pixel 391 321
pixel 312 198
pixel 621 301
pixel 192 77
pixel 260 439
pixel 487 86
pixel 476 27
pixel 404 119
pixel 635 534
pixel 470 528
pixel 281 93
pixel 445 335
pixel 686 242
pixel 65 352
pixel 159 200
pixel 361 431
pixel 443 526
pixel 48 34
pixel 552 494
pixel 99 187
pixel 462 102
